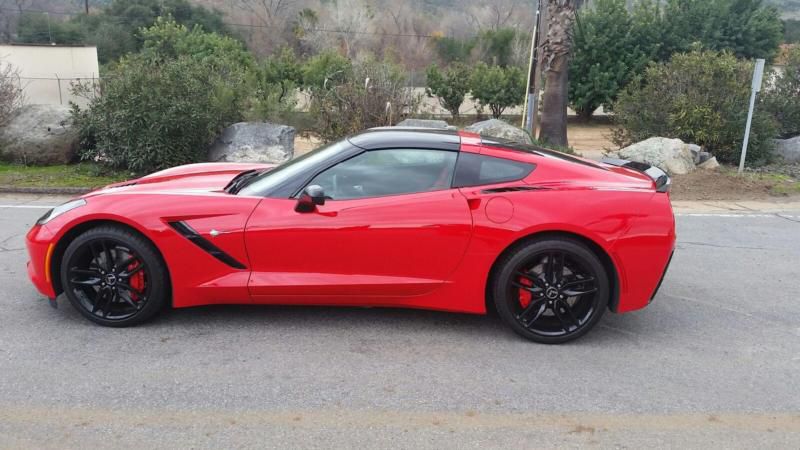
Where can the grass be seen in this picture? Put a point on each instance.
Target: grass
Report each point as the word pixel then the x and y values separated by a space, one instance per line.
pixel 80 175
pixel 781 185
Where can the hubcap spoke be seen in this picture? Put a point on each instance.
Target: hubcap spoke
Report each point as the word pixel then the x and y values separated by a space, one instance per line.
pixel 87 282
pixel 534 308
pixel 532 277
pixel 128 288
pixel 570 314
pixel 131 272
pixel 565 323
pixel 578 293
pixel 531 289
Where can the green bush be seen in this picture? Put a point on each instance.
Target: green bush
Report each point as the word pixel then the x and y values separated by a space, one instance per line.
pixel 782 99
pixel 164 106
pixel 450 86
pixel 700 97
pixel 497 87
pixel 372 93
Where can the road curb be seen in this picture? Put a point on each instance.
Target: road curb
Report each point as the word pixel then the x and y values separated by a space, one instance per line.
pixel 44 190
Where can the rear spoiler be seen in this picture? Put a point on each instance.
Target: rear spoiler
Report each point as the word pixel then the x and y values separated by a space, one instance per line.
pixel 662 180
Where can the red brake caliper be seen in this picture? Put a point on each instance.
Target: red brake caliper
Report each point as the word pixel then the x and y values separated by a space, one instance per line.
pixel 525 296
pixel 136 281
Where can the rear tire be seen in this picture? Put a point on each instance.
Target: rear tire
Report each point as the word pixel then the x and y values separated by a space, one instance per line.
pixel 551 291
pixel 114 276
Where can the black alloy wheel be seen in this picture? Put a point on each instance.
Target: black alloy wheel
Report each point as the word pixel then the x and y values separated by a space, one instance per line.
pixel 551 291
pixel 114 277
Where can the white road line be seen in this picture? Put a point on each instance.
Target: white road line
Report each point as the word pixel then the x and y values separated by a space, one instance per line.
pixel 738 216
pixel 28 206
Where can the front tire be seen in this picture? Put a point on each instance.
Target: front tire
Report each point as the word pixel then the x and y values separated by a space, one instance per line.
pixel 114 277
pixel 552 290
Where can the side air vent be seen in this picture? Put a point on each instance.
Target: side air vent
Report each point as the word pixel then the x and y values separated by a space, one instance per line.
pixel 189 233
pixel 512 189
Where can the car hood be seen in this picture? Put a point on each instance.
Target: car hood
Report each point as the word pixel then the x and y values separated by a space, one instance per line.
pixel 202 177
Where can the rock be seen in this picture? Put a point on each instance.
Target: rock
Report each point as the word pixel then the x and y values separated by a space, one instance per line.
pixel 671 155
pixel 39 135
pixel 696 150
pixel 424 123
pixel 788 149
pixel 709 164
pixel 257 142
pixel 702 157
pixel 498 128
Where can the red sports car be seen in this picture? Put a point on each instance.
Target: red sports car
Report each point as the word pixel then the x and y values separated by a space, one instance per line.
pixel 390 217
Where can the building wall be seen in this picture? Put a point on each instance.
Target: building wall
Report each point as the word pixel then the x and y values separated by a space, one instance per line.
pixel 47 72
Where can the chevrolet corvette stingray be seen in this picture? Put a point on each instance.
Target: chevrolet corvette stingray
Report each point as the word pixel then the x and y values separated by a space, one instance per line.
pixel 390 217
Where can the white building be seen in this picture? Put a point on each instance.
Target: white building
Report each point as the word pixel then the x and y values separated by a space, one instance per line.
pixel 47 72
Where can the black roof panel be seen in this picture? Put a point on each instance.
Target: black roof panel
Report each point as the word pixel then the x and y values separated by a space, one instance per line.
pixel 398 137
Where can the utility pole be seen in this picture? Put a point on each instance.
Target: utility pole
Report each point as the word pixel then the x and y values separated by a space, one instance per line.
pixel 532 98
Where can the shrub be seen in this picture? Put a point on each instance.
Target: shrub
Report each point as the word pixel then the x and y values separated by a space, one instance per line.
pixel 450 86
pixel 164 106
pixel 11 96
pixel 782 99
pixel 372 94
pixel 700 97
pixel 497 87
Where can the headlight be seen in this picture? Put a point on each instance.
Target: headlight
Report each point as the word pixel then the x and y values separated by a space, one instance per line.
pixel 59 210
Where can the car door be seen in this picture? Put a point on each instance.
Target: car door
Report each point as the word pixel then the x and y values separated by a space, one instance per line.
pixel 392 226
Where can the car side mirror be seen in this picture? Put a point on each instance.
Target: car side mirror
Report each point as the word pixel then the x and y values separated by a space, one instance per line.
pixel 309 199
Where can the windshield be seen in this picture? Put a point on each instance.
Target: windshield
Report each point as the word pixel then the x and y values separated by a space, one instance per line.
pixel 290 169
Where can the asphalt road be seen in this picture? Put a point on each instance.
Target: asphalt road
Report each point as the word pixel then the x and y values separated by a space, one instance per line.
pixel 713 362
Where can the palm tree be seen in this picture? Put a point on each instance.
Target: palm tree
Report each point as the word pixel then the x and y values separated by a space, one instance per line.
pixel 556 51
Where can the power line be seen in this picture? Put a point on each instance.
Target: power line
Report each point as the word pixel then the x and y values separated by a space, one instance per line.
pixel 123 19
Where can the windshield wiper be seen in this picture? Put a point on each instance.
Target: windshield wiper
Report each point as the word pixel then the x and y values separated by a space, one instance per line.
pixel 240 181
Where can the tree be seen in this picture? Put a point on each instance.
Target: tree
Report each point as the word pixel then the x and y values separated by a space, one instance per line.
pixel 611 46
pixel 11 95
pixel 40 28
pixel 747 28
pixel 497 46
pixel 115 30
pixel 497 87
pixel 326 70
pixel 791 31
pixel 452 50
pixel 282 70
pixel 556 51
pixel 450 86
pixel 700 97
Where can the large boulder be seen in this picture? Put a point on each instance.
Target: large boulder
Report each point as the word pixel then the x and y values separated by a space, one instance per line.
pixel 788 149
pixel 500 129
pixel 39 135
pixel 256 142
pixel 671 155
pixel 425 123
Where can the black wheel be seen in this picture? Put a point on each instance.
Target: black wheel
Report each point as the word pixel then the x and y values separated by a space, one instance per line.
pixel 114 277
pixel 551 291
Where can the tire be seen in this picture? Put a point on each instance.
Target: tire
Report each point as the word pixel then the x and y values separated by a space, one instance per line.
pixel 547 305
pixel 114 276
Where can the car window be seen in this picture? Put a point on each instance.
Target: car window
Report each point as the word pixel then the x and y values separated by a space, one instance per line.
pixel 477 170
pixel 378 173
pixel 291 169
